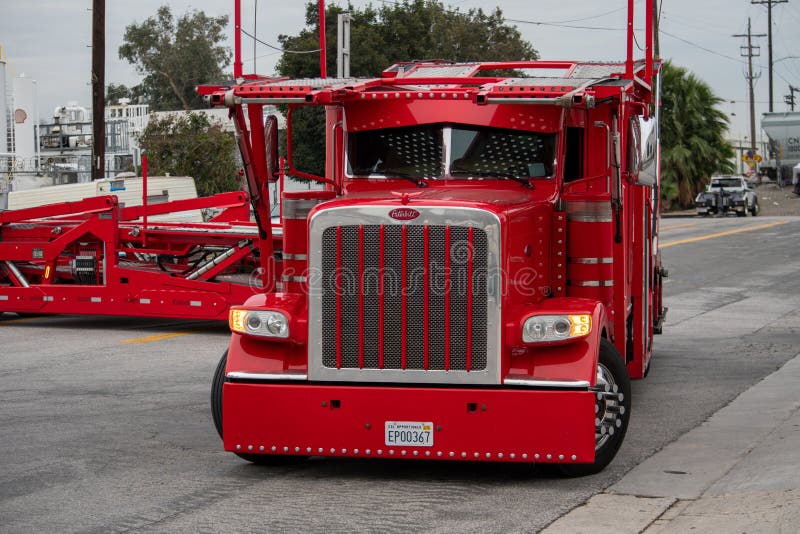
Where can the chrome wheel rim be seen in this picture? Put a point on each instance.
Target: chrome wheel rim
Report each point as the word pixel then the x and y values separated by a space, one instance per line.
pixel 609 407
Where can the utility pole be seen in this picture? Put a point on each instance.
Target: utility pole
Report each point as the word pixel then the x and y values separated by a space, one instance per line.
pixel 769 4
pixel 656 19
pixel 751 51
pixel 98 89
pixel 789 99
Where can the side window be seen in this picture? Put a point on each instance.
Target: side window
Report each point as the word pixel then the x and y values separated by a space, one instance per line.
pixel 573 164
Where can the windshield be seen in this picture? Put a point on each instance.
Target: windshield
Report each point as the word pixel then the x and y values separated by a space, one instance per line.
pixel 726 182
pixel 450 151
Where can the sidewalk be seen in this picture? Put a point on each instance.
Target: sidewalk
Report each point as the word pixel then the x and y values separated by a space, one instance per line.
pixel 737 472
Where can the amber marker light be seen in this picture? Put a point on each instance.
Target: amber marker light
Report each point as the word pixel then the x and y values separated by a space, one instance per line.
pixel 581 325
pixel 236 320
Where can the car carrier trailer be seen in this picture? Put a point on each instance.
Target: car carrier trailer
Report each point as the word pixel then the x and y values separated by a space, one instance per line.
pixel 95 257
pixel 478 281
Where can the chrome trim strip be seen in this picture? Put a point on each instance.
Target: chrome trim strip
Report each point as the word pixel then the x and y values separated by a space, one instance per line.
pixel 265 377
pixel 276 100
pixel 593 283
pixel 591 261
pixel 585 211
pixel 288 278
pixel 428 216
pixel 299 208
pixel 534 382
pixel 298 257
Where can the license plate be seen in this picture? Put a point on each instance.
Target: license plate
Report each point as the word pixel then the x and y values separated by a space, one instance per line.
pixel 409 433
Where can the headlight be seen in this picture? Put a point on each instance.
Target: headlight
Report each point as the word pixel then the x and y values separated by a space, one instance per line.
pixel 548 328
pixel 259 323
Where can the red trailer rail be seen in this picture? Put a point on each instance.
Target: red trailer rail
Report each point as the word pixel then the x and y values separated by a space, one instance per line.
pixel 94 257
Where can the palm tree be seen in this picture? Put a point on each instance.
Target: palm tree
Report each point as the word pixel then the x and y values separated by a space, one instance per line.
pixel 692 130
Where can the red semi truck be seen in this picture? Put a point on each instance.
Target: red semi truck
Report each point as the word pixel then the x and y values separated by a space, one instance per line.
pixel 479 279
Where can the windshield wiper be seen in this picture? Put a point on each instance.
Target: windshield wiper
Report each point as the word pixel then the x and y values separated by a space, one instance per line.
pixel 419 182
pixel 370 173
pixel 495 174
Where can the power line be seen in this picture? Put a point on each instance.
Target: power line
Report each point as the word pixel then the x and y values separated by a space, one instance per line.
pixel 276 47
pixel 769 4
pixel 700 47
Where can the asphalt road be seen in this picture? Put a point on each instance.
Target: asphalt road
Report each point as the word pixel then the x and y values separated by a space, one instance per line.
pixel 106 426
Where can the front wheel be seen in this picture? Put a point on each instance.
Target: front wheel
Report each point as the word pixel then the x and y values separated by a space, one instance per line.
pixel 754 210
pixel 216 415
pixel 612 411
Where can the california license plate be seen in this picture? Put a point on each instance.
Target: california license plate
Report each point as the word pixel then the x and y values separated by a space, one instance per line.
pixel 409 433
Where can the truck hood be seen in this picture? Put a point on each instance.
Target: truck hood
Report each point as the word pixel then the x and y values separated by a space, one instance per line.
pixel 506 202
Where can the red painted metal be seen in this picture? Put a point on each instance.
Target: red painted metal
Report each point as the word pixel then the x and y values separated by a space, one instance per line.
pixel 125 278
pixel 307 419
pixel 470 274
pixel 447 288
pixel 630 30
pixel 237 39
pixel 144 201
pixel 554 247
pixel 361 325
pixel 339 290
pixel 323 69
pixel 426 292
pixel 381 291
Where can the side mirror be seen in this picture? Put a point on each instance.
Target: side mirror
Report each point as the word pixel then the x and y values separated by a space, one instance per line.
pixel 271 148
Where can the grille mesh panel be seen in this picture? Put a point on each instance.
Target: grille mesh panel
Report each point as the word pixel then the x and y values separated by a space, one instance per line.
pixel 358 294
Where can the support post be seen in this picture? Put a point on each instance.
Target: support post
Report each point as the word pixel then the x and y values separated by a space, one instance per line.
pixel 237 39
pixel 769 4
pixel 751 52
pixel 98 89
pixel 323 68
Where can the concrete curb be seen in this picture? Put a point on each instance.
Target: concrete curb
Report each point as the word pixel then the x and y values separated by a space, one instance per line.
pixel 738 471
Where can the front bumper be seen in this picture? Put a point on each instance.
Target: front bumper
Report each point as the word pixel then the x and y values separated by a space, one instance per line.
pixel 516 425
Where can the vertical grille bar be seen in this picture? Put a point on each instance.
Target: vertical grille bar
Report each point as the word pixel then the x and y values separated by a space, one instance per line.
pixel 338 275
pixel 470 261
pixel 447 290
pixel 381 292
pixel 426 284
pixel 404 299
pixel 361 326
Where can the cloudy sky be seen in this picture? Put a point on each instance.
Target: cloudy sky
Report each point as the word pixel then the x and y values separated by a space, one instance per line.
pixel 48 40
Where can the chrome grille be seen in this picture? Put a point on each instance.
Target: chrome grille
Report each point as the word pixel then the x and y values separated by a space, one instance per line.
pixel 370 271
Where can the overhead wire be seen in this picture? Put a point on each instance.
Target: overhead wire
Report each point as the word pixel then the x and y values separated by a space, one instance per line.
pixel 279 49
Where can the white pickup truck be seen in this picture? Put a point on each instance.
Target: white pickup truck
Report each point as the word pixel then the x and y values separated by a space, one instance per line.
pixel 727 194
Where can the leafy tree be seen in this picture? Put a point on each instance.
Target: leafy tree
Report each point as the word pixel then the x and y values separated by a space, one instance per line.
pixel 396 31
pixel 191 145
pixel 114 92
pixel 175 56
pixel 404 31
pixel 692 136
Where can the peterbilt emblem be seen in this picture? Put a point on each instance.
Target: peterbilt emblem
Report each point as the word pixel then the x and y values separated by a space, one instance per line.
pixel 403 214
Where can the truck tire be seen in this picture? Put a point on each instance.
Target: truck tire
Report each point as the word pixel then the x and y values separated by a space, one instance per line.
pixel 216 415
pixel 216 392
pixel 613 411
